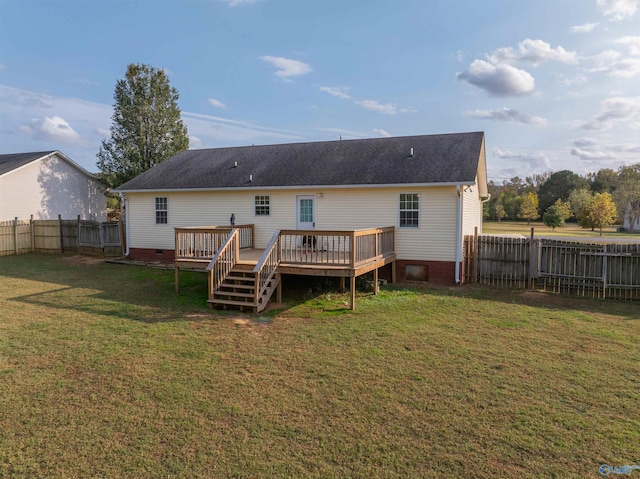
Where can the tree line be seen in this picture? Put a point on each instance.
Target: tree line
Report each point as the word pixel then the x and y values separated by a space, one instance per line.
pixel 594 201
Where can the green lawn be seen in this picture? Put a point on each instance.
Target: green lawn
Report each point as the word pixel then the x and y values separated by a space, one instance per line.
pixel 569 229
pixel 104 372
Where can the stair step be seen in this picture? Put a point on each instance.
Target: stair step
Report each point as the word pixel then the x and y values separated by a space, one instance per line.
pixel 238 286
pixel 241 278
pixel 232 302
pixel 233 293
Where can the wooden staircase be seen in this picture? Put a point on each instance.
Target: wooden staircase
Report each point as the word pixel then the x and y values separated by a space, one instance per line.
pixel 238 290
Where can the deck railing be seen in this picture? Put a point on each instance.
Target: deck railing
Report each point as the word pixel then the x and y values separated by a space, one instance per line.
pixel 336 248
pixel 223 261
pixel 267 266
pixel 203 242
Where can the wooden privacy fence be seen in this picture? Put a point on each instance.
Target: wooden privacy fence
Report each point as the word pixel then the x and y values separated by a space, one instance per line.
pixel 610 270
pixel 59 235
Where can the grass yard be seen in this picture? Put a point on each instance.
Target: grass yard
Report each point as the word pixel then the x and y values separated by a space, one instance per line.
pixel 569 229
pixel 104 372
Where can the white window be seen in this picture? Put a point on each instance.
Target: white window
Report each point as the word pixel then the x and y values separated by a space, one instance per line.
pixel 262 205
pixel 161 211
pixel 409 210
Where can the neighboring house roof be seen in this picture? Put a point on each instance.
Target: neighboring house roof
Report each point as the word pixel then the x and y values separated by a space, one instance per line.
pixel 13 161
pixel 449 158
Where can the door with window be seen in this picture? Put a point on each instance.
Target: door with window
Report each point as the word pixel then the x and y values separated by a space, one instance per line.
pixel 306 212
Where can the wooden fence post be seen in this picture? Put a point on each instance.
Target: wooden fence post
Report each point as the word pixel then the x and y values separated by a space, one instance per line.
pixel 61 240
pixel 78 235
pixel 32 231
pixel 15 235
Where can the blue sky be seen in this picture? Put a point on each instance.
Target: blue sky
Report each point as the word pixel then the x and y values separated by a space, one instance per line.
pixel 554 84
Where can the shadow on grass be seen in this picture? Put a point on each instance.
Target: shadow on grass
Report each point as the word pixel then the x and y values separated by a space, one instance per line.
pixel 147 294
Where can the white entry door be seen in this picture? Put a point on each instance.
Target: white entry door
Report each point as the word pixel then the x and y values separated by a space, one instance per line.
pixel 306 212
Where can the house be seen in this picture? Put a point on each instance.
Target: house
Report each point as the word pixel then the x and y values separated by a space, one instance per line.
pixel 46 184
pixel 628 218
pixel 429 189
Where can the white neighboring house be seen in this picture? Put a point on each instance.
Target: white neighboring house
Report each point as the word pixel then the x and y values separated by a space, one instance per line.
pixel 429 187
pixel 627 223
pixel 46 184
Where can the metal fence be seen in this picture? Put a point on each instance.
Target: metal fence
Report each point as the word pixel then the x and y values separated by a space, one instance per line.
pixel 571 267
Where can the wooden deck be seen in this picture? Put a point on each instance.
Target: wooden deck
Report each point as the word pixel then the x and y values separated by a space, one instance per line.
pixel 238 272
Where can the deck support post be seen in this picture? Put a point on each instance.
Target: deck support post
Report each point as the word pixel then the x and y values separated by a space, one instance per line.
pixel 279 288
pixel 393 272
pixel 177 275
pixel 375 281
pixel 352 284
pixel 342 284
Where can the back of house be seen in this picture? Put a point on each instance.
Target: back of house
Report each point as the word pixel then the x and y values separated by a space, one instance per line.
pixel 429 187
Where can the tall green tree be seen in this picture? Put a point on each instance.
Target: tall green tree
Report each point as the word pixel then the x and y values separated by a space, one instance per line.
pixel 146 128
pixel 627 194
pixel 553 217
pixel 558 187
pixel 580 200
pixel 602 211
pixel 529 207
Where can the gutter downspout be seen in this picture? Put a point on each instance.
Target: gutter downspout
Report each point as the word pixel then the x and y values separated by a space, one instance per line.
pixel 458 233
pixel 482 202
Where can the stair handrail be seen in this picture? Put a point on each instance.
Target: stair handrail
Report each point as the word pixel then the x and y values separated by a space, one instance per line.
pixel 267 265
pixel 223 262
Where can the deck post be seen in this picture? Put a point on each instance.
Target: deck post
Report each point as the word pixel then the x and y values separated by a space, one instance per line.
pixel 375 281
pixel 177 275
pixel 352 258
pixel 393 272
pixel 352 284
pixel 279 288
pixel 342 284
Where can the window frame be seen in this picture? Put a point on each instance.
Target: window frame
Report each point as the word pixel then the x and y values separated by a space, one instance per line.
pixel 162 214
pixel 402 210
pixel 262 208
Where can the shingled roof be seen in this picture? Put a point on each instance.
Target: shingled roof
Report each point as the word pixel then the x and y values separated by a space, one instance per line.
pixel 449 158
pixel 15 160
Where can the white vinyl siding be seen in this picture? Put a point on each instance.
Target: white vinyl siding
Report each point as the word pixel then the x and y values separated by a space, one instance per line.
pixel 50 187
pixel 336 209
pixel 471 210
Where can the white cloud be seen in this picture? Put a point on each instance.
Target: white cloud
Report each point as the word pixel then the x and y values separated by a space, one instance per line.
pixel 611 62
pixel 52 128
pixel 103 132
pixel 586 28
pixel 532 51
pixel 216 103
pixel 535 161
pixel 218 131
pixel 382 132
pixel 507 115
pixel 460 55
pixel 195 143
pixel 590 149
pixel 615 110
pixel 618 10
pixel 340 92
pixel 632 42
pixel 577 79
pixel 344 134
pixel 235 3
pixel 498 80
pixel 373 105
pixel 287 68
